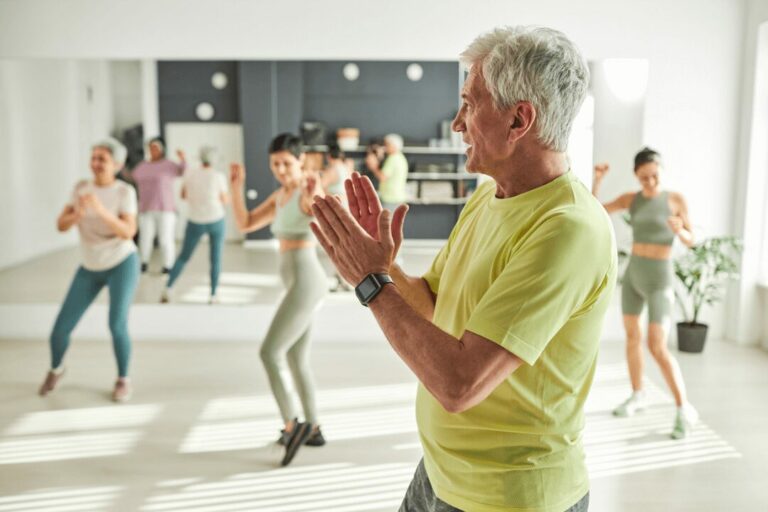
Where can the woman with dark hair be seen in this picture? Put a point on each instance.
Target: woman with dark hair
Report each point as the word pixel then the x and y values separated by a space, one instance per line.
pixel 285 350
pixel 657 217
pixel 104 211
pixel 157 208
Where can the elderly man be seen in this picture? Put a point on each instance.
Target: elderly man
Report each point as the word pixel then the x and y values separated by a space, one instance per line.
pixel 503 330
pixel 392 174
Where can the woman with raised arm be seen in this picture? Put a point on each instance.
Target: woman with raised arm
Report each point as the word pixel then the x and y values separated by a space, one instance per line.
pixel 285 350
pixel 157 208
pixel 657 217
pixel 104 211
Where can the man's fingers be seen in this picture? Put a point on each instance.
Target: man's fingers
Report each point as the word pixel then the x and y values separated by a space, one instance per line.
pixel 324 242
pixel 362 198
pixel 328 227
pixel 374 205
pixel 345 219
pixel 398 221
pixel 385 229
pixel 352 202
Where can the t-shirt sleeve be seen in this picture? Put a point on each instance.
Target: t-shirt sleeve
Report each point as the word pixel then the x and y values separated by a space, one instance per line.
pixel 557 272
pixel 128 201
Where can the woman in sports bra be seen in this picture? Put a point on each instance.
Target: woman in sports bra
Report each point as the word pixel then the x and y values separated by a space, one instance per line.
pixel 657 217
pixel 285 350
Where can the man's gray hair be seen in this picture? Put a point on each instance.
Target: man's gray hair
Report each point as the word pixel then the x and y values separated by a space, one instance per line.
pixel 116 149
pixel 534 64
pixel 395 140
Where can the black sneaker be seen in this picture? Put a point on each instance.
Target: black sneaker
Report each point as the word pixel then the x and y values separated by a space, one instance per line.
pixel 285 436
pixel 166 270
pixel 143 268
pixel 315 438
pixel 298 437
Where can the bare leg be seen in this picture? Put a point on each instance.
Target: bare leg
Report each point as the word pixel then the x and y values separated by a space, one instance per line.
pixel 634 351
pixel 657 343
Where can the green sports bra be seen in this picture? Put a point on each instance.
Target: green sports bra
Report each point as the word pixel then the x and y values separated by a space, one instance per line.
pixel 648 218
pixel 290 222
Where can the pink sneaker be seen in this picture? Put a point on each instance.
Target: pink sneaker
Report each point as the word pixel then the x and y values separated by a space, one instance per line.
pixel 51 379
pixel 122 391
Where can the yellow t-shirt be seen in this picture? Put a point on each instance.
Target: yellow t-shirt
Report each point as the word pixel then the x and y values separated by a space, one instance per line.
pixel 533 273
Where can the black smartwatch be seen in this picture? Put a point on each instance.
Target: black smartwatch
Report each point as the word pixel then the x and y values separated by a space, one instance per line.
pixel 370 287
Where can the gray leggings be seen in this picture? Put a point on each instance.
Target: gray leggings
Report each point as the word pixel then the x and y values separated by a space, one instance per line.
pixel 285 349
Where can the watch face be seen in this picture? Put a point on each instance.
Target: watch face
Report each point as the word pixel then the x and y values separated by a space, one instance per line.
pixel 367 288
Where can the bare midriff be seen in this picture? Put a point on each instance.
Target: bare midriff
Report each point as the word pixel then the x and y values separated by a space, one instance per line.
pixel 652 251
pixel 292 245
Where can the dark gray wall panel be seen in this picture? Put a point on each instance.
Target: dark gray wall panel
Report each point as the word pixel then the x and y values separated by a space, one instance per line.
pixel 184 84
pixel 430 221
pixel 259 120
pixel 382 100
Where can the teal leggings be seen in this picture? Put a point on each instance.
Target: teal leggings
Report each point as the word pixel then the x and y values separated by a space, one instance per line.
pixel 121 280
pixel 285 350
pixel 648 280
pixel 192 235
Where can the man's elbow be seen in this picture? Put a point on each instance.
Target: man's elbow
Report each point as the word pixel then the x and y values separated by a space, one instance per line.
pixel 458 399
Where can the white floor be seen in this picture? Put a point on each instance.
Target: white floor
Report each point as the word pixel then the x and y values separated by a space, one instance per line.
pixel 198 435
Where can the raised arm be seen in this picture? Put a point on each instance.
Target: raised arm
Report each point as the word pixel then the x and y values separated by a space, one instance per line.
pixel 458 372
pixel 622 202
pixel 679 222
pixel 311 188
pixel 182 162
pixel 259 217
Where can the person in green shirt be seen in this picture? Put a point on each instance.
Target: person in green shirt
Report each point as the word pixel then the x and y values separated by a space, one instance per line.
pixel 392 173
pixel 503 330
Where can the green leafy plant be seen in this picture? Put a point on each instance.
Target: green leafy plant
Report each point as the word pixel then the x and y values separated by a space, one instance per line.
pixel 703 271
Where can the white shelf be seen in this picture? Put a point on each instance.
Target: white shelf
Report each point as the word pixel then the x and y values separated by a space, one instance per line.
pixel 454 202
pixel 414 150
pixel 441 176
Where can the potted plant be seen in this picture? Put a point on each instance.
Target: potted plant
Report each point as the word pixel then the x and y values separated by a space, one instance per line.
pixel 703 271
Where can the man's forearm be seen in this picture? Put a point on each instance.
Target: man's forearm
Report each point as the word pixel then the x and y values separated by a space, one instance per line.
pixel 415 291
pixel 432 354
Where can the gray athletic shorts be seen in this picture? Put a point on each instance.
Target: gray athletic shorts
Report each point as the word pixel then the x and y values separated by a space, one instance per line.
pixel 421 498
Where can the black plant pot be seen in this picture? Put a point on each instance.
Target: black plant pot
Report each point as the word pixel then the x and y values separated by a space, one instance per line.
pixel 691 337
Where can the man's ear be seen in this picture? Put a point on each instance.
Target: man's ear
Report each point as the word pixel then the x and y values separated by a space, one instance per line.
pixel 522 116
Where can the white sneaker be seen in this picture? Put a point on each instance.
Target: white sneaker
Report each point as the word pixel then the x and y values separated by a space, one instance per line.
pixel 214 300
pixel 633 404
pixel 685 419
pixel 122 391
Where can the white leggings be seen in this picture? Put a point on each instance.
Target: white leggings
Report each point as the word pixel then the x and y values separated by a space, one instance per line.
pixel 161 224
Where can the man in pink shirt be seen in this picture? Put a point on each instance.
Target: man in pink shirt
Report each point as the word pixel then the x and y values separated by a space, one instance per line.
pixel 157 209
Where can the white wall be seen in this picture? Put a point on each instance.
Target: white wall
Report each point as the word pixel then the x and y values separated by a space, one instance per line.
pixel 48 118
pixel 618 136
pixel 745 308
pixel 126 94
pixel 694 48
